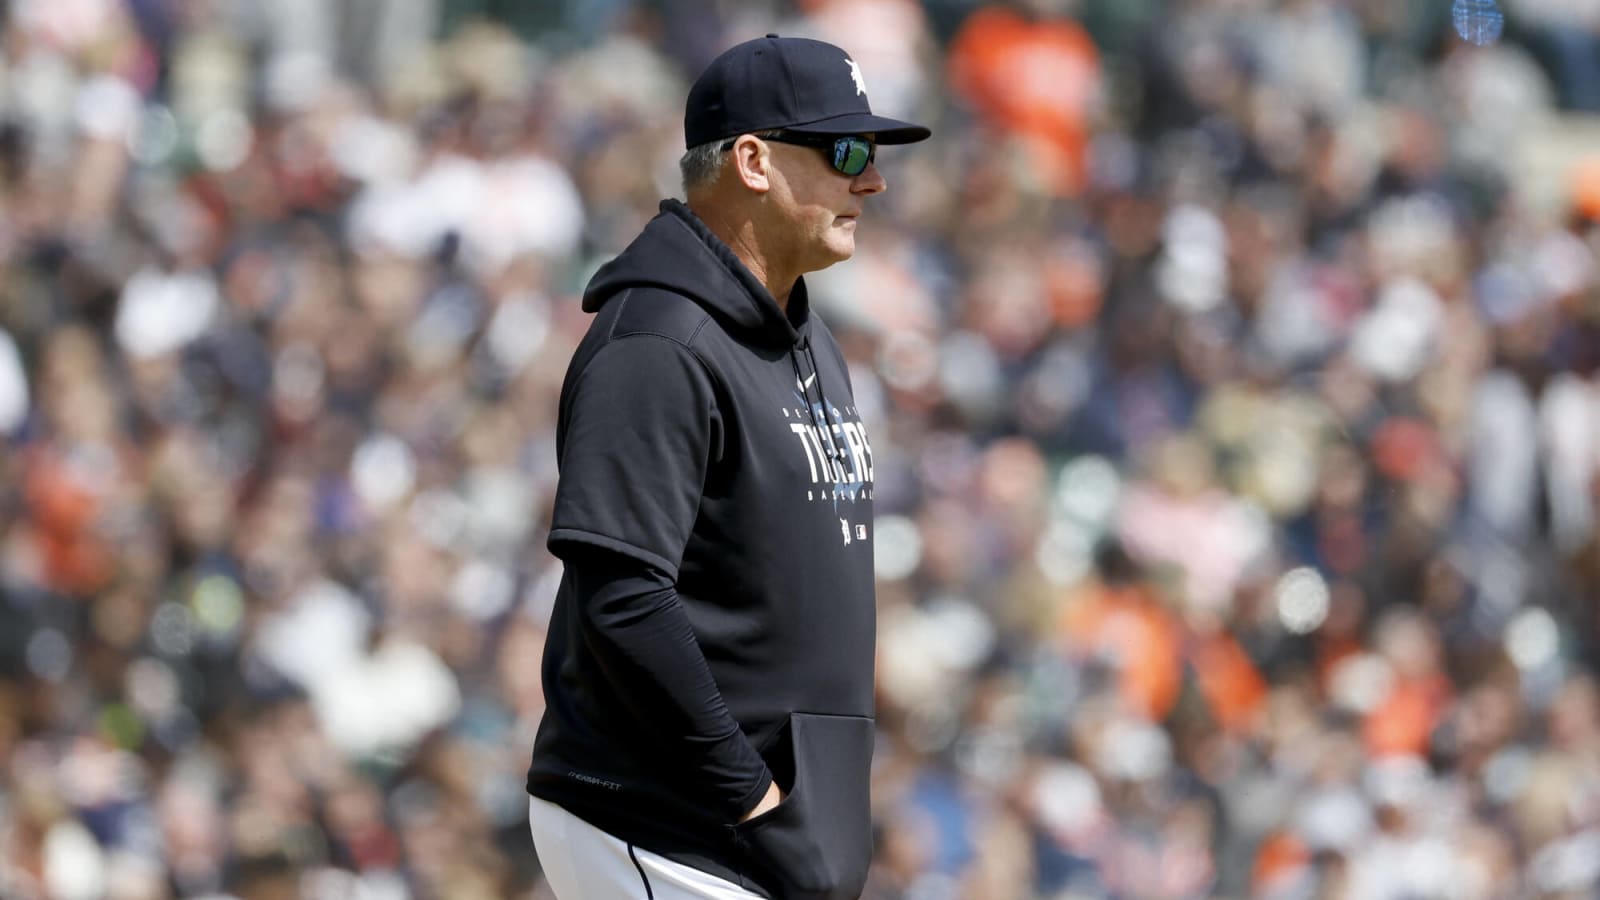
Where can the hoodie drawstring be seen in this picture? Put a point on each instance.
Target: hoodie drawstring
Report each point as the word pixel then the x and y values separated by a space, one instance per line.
pixel 822 399
pixel 832 450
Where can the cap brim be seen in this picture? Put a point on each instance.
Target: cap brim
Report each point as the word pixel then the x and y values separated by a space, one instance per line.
pixel 888 131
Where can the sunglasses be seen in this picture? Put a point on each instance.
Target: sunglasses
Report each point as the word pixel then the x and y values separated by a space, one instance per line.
pixel 848 154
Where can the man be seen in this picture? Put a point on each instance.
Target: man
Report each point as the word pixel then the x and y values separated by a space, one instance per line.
pixel 709 665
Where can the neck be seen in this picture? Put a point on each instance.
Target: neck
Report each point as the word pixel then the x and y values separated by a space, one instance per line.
pixel 740 234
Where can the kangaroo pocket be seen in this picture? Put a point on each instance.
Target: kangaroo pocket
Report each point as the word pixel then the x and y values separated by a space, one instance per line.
pixel 817 843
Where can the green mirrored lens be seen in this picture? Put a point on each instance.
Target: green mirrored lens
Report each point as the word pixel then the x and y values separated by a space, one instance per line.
pixel 852 154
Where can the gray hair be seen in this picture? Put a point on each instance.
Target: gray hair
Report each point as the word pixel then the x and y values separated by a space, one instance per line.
pixel 701 165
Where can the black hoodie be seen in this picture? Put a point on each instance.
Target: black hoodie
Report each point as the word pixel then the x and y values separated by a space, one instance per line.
pixel 714 628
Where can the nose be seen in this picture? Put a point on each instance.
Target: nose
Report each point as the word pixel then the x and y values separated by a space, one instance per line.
pixel 870 181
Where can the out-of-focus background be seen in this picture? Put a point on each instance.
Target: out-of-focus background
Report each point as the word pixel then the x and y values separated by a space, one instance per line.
pixel 1230 366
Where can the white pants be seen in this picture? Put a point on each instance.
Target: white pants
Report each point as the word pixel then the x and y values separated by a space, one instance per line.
pixel 581 862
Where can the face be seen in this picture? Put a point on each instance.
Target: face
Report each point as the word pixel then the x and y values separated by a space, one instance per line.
pixel 817 207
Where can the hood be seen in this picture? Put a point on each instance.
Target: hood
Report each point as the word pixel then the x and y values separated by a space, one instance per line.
pixel 677 252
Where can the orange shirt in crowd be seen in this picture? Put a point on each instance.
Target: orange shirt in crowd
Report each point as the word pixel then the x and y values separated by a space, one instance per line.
pixel 1139 637
pixel 1228 679
pixel 1404 722
pixel 1585 187
pixel 65 507
pixel 1148 648
pixel 1035 79
pixel 1279 859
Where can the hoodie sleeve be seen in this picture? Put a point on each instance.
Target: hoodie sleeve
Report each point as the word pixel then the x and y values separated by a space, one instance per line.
pixel 640 431
pixel 635 626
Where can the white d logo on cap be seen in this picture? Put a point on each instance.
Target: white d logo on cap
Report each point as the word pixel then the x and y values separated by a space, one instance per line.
pixel 855 75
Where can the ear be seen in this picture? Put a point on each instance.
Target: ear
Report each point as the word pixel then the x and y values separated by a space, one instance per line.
pixel 751 159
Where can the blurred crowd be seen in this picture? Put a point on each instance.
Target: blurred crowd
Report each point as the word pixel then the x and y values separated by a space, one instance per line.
pixel 1230 363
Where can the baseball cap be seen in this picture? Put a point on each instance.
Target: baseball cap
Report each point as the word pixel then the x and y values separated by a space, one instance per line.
pixel 796 84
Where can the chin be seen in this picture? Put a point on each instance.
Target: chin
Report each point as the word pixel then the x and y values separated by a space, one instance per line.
pixel 841 250
pixel 827 256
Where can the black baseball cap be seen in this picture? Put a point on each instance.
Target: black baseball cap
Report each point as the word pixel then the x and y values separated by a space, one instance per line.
pixel 795 84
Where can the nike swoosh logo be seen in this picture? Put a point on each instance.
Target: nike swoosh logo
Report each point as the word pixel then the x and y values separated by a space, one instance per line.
pixel 806 385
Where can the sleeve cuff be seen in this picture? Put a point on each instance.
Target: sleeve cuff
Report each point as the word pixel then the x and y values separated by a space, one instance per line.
pixel 559 536
pixel 754 797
